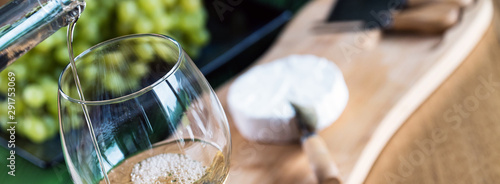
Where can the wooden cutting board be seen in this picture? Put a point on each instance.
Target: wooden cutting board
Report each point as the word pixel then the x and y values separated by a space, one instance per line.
pixel 388 78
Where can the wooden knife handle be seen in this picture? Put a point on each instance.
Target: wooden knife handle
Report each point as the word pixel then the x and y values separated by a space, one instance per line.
pixel 462 3
pixel 429 19
pixel 320 160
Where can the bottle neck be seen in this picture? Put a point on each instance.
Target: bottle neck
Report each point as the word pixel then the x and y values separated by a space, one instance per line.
pixel 25 23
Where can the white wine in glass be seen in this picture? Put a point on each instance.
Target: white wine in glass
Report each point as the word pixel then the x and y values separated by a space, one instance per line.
pixel 154 116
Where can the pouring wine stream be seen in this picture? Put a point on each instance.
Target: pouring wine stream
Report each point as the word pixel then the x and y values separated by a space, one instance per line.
pixel 71 28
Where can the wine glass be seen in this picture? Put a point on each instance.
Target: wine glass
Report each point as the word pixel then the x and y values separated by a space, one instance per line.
pixel 148 116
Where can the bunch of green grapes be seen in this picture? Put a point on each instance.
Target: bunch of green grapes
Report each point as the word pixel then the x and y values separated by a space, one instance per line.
pixel 38 70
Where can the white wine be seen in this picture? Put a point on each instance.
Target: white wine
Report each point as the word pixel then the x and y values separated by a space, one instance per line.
pixel 69 42
pixel 176 162
pixel 182 161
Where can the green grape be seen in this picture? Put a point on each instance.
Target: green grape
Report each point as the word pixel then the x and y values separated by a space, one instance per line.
pixel 34 96
pixel 42 79
pixel 52 108
pixel 199 37
pixel 132 83
pixel 114 82
pixel 127 11
pixel 183 20
pixel 124 27
pixel 20 71
pixel 147 5
pixel 20 126
pixel 4 80
pixel 201 16
pixel 50 89
pixel 154 9
pixel 90 73
pixel 51 125
pixel 20 107
pixel 175 17
pixel 3 108
pixel 164 52
pixel 169 3
pixel 35 129
pixel 145 52
pixel 138 70
pixel 114 59
pixel 143 25
pixel 190 21
pixel 191 5
pixel 163 22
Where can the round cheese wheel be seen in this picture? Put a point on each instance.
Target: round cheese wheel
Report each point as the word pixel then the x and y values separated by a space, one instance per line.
pixel 259 100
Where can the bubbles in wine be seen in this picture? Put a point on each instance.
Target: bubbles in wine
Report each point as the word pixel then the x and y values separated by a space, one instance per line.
pixel 168 168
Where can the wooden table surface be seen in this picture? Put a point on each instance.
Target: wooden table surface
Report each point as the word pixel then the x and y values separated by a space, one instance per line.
pixel 451 138
pixel 454 136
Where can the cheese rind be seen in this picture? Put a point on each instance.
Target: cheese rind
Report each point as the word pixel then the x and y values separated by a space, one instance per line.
pixel 259 100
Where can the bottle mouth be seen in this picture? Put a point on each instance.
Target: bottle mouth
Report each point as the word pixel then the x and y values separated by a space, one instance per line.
pixel 66 3
pixel 94 57
pixel 74 8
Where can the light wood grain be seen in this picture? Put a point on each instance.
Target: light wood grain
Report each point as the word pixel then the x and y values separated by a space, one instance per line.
pixel 387 82
pixel 464 150
pixel 478 16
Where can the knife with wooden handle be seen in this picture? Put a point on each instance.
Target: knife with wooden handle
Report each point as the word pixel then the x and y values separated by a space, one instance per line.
pixel 426 18
pixel 429 19
pixel 461 3
pixel 321 162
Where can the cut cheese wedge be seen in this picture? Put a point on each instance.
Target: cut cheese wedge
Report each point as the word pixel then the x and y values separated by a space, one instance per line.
pixel 259 100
